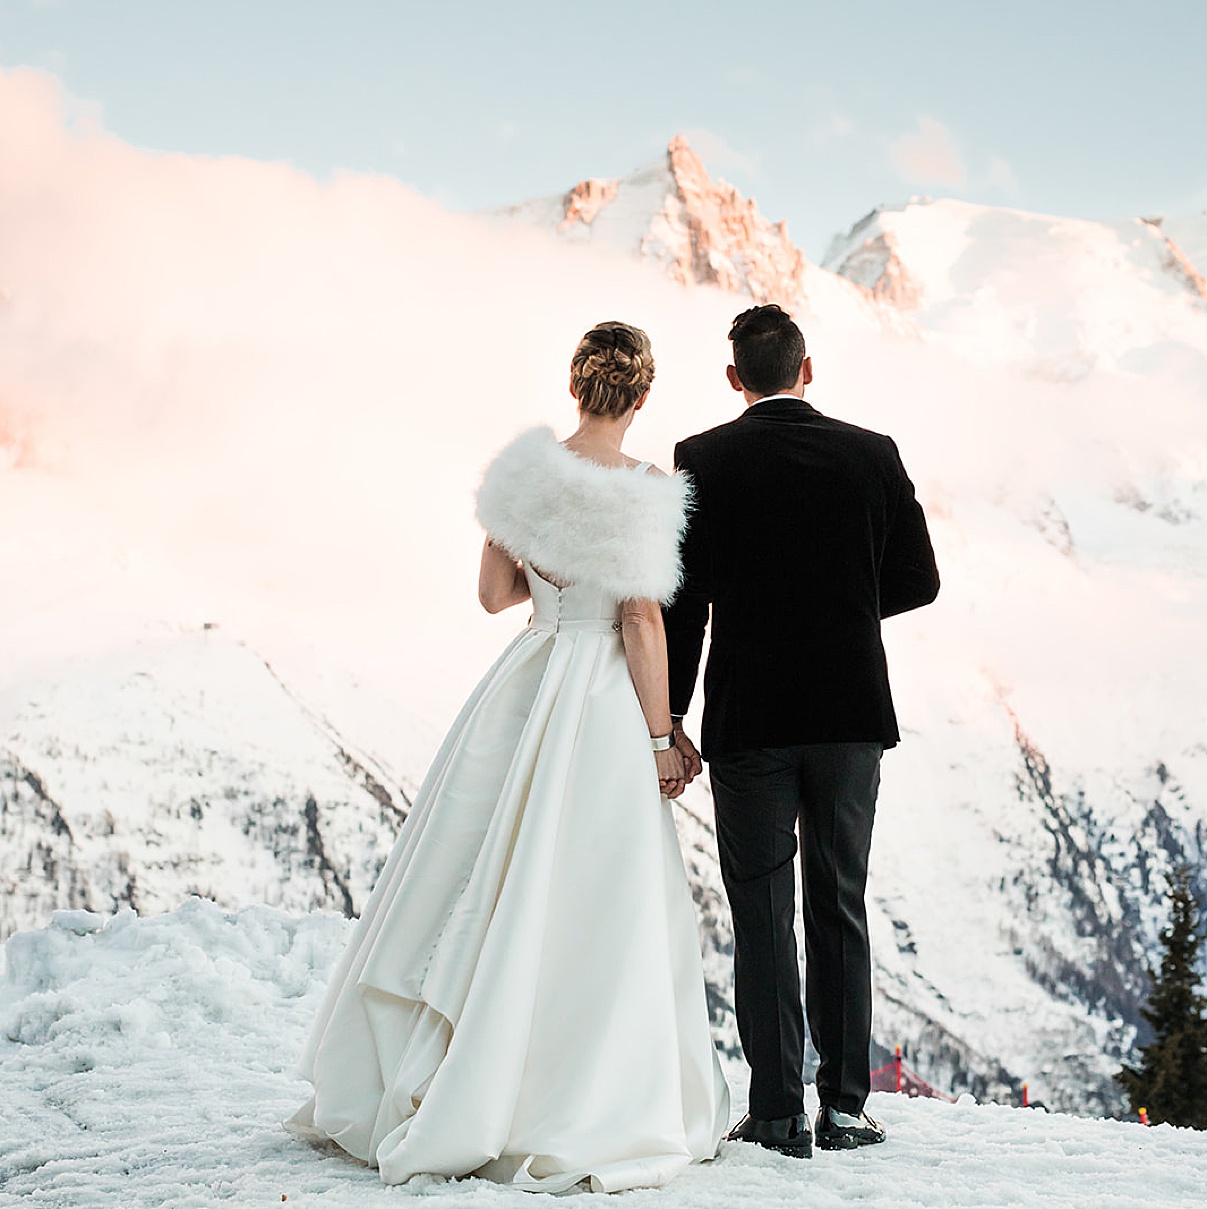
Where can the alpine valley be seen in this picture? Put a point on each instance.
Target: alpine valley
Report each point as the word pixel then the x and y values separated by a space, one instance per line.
pixel 237 458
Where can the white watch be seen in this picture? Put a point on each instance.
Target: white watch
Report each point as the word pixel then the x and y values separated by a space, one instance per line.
pixel 663 742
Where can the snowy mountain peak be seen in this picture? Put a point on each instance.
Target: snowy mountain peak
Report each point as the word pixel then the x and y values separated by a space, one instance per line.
pixel 868 256
pixel 585 201
pixel 1063 296
pixel 671 212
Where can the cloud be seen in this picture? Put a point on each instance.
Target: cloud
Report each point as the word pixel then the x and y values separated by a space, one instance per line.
pixel 283 390
pixel 1001 176
pixel 720 156
pixel 279 395
pixel 929 156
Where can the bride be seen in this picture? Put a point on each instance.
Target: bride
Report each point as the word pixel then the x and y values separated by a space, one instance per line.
pixel 522 999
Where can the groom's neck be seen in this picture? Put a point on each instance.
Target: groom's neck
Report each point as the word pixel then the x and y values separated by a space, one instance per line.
pixel 750 396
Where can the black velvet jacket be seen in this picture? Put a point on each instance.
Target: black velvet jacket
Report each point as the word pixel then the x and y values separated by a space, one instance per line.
pixel 804 534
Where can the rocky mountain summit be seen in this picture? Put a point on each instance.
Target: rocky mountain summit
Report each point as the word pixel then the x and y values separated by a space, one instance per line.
pixel 672 213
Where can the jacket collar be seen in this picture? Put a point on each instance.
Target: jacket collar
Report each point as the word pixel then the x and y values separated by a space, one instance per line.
pixel 780 405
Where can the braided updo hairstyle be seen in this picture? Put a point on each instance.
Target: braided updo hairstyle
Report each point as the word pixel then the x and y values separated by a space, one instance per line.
pixel 611 369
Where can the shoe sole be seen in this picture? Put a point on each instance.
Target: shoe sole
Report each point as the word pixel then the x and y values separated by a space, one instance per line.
pixel 793 1152
pixel 846 1143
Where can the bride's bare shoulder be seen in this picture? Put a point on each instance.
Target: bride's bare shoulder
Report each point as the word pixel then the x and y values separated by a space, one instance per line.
pixel 609 459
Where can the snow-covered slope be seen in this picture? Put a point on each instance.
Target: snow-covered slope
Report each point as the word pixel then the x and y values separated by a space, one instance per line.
pixel 1061 295
pixel 182 765
pixel 147 1062
pixel 1189 232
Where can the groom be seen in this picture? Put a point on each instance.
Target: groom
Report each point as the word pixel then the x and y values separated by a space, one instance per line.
pixel 804 535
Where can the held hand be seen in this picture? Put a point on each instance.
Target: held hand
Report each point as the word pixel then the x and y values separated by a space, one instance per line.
pixel 693 766
pixel 671 776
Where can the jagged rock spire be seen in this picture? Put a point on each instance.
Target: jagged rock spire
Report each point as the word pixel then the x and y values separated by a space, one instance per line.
pixel 709 234
pixel 701 231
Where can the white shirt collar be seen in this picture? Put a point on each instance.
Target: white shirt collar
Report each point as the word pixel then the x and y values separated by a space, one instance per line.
pixel 781 395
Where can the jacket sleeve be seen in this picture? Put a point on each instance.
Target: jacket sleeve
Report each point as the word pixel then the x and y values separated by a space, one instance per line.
pixel 909 577
pixel 686 616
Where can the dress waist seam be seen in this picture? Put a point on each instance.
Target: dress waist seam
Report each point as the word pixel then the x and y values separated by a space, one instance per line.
pixel 579 625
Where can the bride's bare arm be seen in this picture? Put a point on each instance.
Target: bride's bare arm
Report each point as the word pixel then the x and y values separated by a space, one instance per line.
pixel 645 650
pixel 501 581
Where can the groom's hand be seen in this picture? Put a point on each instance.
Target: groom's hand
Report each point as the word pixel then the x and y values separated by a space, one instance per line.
pixel 693 766
pixel 671 776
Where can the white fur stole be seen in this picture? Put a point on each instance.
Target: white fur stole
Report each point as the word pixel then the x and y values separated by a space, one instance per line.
pixel 609 528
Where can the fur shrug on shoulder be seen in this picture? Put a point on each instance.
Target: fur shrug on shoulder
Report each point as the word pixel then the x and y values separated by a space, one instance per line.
pixel 604 527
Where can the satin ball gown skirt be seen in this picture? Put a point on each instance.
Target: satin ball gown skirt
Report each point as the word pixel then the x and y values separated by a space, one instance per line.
pixel 522 998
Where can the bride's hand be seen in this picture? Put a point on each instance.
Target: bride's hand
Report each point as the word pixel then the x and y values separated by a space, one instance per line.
pixel 671 775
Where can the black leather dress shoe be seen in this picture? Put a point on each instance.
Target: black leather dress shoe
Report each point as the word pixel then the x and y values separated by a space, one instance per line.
pixel 839 1131
pixel 788 1135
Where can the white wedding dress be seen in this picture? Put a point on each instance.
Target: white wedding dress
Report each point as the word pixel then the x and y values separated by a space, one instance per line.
pixel 523 998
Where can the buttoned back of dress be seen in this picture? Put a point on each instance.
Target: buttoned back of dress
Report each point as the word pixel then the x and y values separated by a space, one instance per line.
pixel 570 609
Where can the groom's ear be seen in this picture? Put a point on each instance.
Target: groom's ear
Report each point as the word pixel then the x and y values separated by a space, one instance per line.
pixel 806 371
pixel 731 372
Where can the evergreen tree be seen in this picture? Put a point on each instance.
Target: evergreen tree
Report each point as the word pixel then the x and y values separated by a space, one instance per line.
pixel 1171 1079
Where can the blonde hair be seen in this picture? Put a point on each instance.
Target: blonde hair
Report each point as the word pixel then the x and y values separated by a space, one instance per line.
pixel 611 369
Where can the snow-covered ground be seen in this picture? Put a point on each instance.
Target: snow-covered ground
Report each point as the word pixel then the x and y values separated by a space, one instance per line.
pixel 149 1061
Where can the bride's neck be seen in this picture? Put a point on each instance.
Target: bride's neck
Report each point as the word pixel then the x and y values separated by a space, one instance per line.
pixel 600 432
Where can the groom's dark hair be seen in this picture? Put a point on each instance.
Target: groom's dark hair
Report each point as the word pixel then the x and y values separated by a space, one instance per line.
pixel 768 349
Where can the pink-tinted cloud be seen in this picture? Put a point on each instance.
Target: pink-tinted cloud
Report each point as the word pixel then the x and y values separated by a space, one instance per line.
pixel 275 391
pixel 282 387
pixel 929 156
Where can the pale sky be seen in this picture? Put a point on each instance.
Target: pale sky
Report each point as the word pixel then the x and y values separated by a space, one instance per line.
pixel 1092 108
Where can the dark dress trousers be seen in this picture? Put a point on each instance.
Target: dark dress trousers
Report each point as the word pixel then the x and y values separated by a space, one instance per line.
pixel 804 534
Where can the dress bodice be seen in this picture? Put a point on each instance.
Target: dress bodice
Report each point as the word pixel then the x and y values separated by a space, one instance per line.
pixel 570 608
